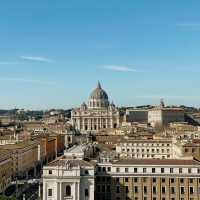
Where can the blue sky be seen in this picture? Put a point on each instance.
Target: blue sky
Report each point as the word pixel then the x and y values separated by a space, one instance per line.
pixel 52 53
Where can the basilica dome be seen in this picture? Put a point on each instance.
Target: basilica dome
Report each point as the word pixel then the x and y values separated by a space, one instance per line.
pixel 98 93
pixel 98 98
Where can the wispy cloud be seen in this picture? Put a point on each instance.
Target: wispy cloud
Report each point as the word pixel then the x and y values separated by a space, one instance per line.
pixel 120 68
pixel 27 80
pixel 36 59
pixel 7 63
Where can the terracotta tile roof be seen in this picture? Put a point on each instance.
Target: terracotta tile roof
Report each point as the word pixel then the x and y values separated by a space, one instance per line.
pixel 157 162
pixel 145 141
pixel 72 163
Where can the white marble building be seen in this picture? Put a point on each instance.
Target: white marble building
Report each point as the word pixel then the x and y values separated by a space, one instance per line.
pixel 162 116
pixel 65 179
pixel 97 114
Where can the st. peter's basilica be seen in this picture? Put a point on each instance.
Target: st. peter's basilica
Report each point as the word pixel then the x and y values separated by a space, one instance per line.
pixel 97 114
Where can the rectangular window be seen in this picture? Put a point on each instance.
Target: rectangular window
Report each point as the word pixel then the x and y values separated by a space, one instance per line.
pixel 181 180
pixel 182 190
pixel 180 170
pixel 189 170
pixel 135 180
pixel 154 180
pixel 103 188
pixel 50 192
pixel 117 169
pixel 145 189
pixel 172 190
pixel 126 180
pixel 86 193
pixel 172 180
pixel 127 190
pixel 153 170
pixel 126 169
pixel 108 188
pixel 144 170
pixel 191 190
pixel 117 189
pixel 171 170
pixel 135 170
pixel 98 188
pixel 136 189
pixel 162 170
pixel 163 190
pixel 163 180
pixel 50 171
pixel 154 189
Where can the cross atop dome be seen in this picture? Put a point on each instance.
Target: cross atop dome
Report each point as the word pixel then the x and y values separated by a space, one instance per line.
pixel 99 85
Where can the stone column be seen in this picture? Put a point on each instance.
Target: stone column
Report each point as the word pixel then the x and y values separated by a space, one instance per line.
pixel 111 123
pixel 97 123
pixel 100 123
pixel 78 123
pixel 106 123
pixel 88 124
pixel 83 124
pixel 92 124
pixel 77 191
pixel 60 191
pixel 44 190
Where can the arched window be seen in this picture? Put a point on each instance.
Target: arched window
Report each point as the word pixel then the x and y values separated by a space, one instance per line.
pixel 68 190
pixel 86 192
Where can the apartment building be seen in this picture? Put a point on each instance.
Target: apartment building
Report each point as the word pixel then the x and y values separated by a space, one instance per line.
pixel 24 156
pixel 160 149
pixel 5 169
pixel 148 179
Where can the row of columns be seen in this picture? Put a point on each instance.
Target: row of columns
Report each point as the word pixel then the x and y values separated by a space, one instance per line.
pixel 87 124
pixel 95 123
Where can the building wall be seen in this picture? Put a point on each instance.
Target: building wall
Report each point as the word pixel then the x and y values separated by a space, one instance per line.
pixel 75 178
pixel 136 116
pixel 94 120
pixel 24 156
pixel 122 182
pixel 164 116
pixel 5 170
pixel 146 149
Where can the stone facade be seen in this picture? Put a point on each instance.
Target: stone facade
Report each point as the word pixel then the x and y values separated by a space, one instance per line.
pixel 68 179
pixel 5 169
pixel 97 114
pixel 148 180
pixel 162 116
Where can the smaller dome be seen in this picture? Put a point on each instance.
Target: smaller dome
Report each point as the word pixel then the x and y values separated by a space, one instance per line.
pixel 83 106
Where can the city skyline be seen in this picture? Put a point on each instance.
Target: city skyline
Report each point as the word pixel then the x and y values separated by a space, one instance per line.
pixel 53 54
